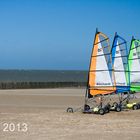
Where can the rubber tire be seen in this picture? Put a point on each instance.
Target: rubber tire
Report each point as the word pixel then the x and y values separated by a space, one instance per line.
pixel 118 108
pixel 109 106
pixel 101 111
pixel 135 107
pixel 107 110
pixel 86 107
pixel 138 106
pixel 70 110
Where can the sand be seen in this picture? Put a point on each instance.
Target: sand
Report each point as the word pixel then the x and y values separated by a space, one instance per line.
pixel 44 113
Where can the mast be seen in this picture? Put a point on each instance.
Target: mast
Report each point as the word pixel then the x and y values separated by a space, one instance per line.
pixel 87 87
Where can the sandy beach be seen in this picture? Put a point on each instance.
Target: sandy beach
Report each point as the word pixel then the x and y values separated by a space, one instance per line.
pixel 43 113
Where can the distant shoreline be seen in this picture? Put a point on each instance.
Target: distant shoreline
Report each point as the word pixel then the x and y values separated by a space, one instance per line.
pixel 43 76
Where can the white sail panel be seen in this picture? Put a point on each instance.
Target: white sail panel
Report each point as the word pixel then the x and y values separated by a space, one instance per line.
pixel 135 67
pixel 119 70
pixel 103 77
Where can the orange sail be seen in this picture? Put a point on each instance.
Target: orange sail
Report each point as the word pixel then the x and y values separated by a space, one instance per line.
pixel 101 77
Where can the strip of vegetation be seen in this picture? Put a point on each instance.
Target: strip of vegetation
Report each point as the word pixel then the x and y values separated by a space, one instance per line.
pixel 35 85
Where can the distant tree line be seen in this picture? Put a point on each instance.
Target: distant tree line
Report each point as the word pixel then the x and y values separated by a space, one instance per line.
pixel 35 85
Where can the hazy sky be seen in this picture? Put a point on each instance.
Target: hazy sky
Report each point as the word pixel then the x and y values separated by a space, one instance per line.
pixel 58 34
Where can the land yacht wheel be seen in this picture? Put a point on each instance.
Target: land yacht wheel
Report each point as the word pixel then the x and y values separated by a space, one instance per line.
pixel 118 108
pixel 135 107
pixel 107 110
pixel 70 110
pixel 86 107
pixel 101 111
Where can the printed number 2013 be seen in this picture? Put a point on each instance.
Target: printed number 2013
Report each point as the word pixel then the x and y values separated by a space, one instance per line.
pixel 11 127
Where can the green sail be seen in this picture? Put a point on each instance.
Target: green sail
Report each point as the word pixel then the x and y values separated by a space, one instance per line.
pixel 134 65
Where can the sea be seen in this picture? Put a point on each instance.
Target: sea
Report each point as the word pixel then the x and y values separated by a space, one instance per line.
pixel 43 76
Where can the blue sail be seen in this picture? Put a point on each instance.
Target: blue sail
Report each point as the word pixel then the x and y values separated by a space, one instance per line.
pixel 119 53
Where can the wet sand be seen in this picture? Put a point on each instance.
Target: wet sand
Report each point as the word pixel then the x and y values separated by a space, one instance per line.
pixel 44 113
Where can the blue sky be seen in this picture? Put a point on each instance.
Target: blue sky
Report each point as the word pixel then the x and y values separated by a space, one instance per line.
pixel 58 34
